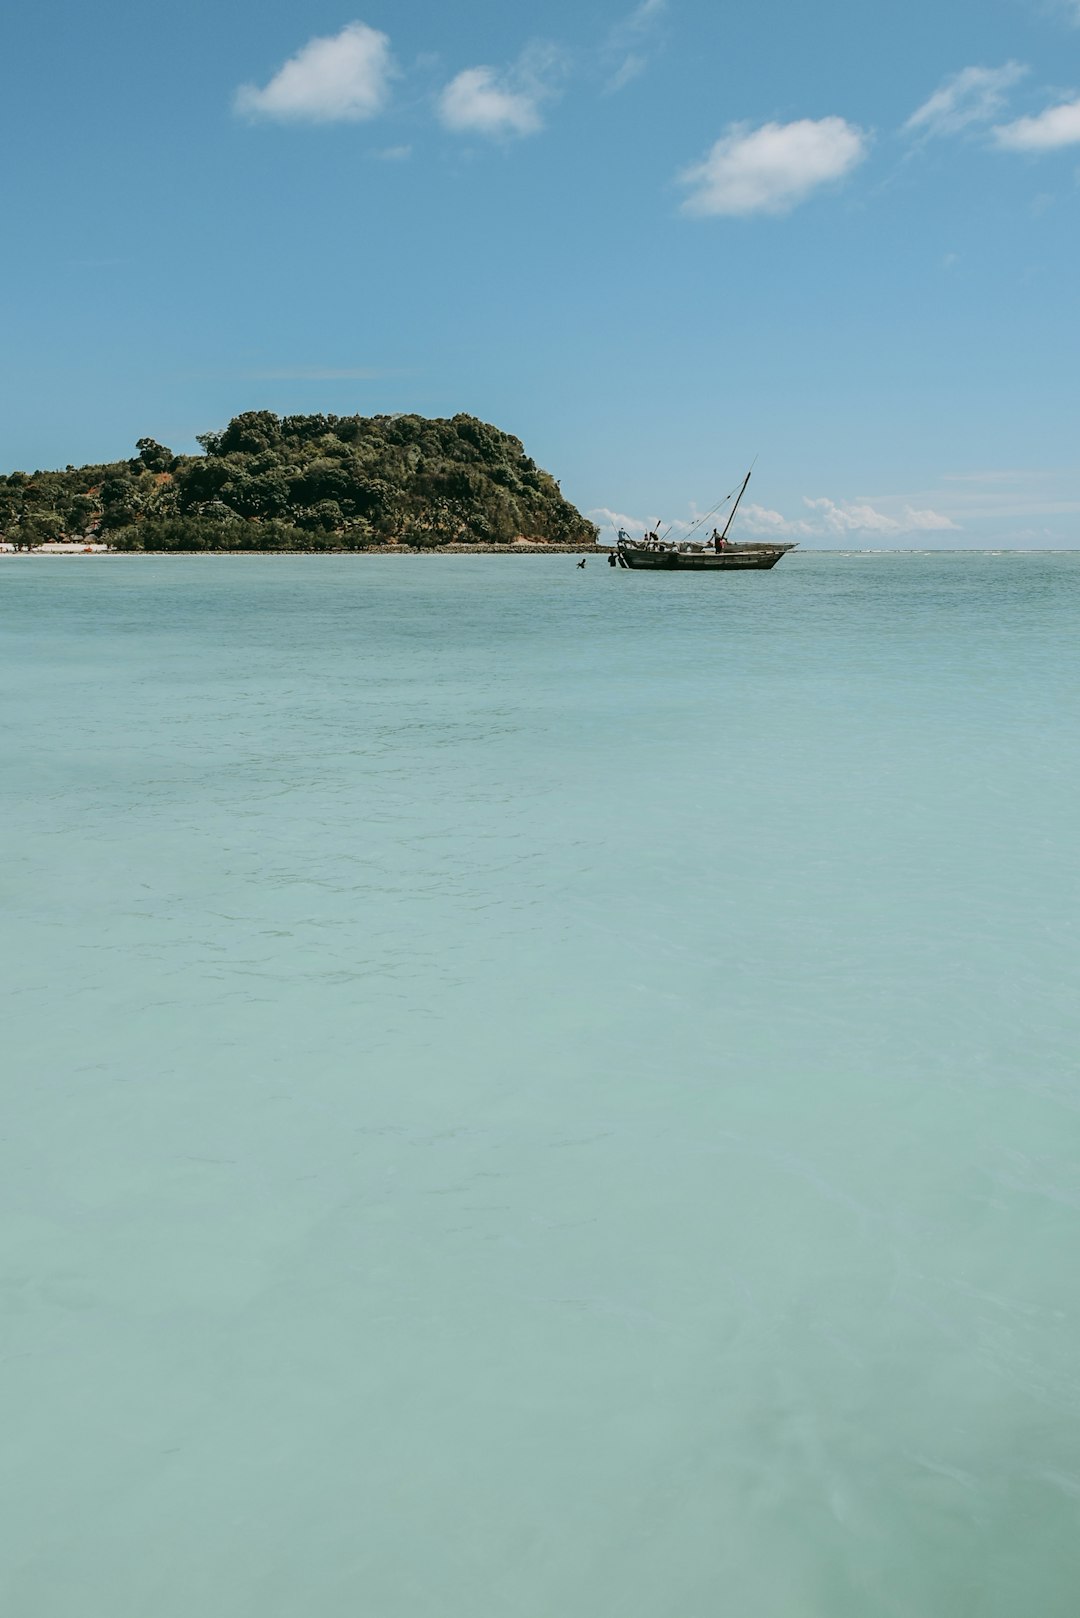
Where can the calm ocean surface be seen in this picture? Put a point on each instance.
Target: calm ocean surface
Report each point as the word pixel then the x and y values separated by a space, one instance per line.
pixel 539 1093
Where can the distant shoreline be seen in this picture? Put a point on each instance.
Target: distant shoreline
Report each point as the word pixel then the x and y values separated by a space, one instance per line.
pixel 534 550
pixel 339 550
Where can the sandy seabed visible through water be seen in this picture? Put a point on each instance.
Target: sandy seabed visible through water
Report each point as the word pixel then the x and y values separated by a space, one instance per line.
pixel 541 1090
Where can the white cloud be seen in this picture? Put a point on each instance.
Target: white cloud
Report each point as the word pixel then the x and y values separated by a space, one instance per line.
pixel 341 78
pixel 998 506
pixel 826 519
pixel 477 101
pixel 1046 132
pixel 771 169
pixel 609 522
pixel 484 101
pixel 762 520
pixel 927 522
pixel 859 517
pixel 394 154
pixel 973 96
pixel 842 519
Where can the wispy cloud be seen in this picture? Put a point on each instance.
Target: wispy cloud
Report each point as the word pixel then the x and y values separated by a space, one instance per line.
pixel 630 68
pixel 826 519
pixel 842 519
pixel 339 78
pixel 500 103
pixel 860 517
pixel 975 95
pixel 773 168
pixel 1047 131
pixel 625 51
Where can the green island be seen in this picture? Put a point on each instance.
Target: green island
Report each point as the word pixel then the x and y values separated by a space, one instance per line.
pixel 304 483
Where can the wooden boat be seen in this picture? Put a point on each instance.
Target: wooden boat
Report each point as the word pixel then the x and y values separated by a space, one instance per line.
pixel 700 558
pixel 714 555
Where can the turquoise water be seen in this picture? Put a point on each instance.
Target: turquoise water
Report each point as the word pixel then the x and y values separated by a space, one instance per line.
pixel 540 1093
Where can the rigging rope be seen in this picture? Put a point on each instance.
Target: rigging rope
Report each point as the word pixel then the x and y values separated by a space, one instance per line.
pixel 719 506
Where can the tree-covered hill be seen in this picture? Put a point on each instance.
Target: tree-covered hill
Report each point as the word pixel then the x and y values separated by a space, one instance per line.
pixel 303 482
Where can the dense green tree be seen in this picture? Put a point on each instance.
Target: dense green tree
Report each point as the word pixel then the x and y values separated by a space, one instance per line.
pixel 268 481
pixel 154 456
pixel 37 528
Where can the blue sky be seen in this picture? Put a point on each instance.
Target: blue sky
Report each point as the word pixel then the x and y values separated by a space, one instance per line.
pixel 653 241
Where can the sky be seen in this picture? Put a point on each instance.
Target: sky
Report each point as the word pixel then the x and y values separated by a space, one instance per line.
pixel 653 241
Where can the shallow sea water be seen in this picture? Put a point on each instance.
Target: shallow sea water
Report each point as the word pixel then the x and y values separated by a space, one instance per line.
pixel 540 1093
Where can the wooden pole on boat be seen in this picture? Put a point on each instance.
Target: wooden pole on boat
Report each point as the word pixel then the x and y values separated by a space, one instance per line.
pixel 735 507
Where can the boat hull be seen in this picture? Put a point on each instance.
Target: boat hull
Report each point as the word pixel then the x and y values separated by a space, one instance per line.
pixel 733 558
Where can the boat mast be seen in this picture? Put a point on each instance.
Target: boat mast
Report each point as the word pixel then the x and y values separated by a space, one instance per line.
pixel 735 507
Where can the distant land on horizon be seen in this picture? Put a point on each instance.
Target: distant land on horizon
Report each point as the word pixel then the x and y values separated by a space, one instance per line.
pixel 304 482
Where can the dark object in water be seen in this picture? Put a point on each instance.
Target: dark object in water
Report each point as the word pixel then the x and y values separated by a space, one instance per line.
pixel 699 558
pixel 713 555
